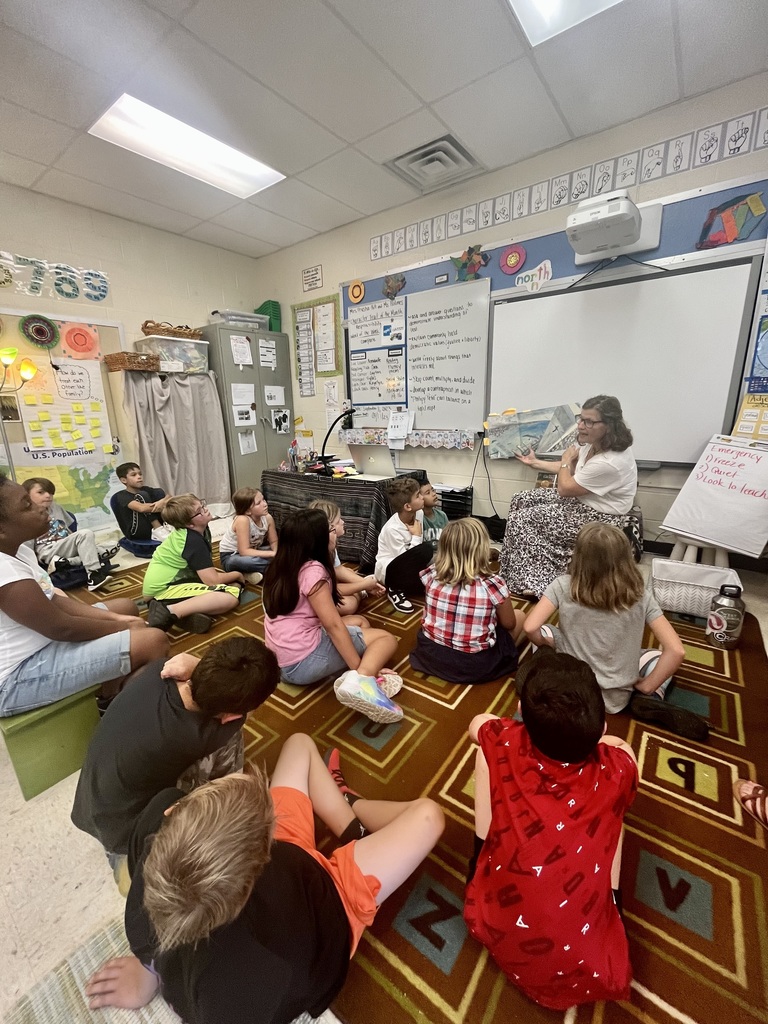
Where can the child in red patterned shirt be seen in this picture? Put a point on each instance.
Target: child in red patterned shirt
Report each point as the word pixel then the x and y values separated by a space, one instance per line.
pixel 469 630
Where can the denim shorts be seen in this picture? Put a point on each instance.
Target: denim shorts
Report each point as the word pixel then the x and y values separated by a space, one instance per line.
pixel 61 668
pixel 324 661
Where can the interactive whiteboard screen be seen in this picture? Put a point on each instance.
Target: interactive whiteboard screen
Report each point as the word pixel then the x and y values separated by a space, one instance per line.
pixel 670 348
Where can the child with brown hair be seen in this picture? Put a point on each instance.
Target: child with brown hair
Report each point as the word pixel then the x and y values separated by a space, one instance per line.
pixel 353 588
pixel 470 628
pixel 604 607
pixel 250 543
pixel 181 581
pixel 401 555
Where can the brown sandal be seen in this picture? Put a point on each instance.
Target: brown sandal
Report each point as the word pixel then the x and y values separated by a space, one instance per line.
pixel 756 804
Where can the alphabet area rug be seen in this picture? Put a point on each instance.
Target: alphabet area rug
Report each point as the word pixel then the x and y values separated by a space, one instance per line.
pixel 693 863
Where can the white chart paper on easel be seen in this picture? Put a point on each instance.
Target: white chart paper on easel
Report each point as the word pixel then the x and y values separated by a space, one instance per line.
pixel 724 502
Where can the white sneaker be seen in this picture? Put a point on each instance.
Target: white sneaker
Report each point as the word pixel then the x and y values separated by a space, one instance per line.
pixel 361 693
pixel 399 601
pixel 390 683
pixel 253 577
pixel 161 532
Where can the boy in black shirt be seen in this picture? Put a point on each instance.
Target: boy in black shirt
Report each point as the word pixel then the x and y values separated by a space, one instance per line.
pixel 234 911
pixel 138 508
pixel 180 727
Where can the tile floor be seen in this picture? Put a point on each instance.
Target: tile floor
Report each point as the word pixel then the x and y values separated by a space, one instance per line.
pixel 57 889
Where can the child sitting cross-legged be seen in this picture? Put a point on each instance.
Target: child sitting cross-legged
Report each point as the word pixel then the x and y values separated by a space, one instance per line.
pixel 550 797
pixel 305 630
pixel 249 545
pixel 469 630
pixel 604 607
pixel 435 520
pixel 401 555
pixel 184 587
pixel 138 508
pixel 353 588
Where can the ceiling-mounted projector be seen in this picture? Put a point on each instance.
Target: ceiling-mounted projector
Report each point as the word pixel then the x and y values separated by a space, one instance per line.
pixel 603 223
pixel 612 225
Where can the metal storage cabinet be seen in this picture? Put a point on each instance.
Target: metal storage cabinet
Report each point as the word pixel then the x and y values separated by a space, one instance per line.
pixel 245 470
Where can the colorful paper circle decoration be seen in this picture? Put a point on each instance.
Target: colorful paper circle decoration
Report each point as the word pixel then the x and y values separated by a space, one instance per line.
pixel 40 331
pixel 356 292
pixel 512 259
pixel 80 341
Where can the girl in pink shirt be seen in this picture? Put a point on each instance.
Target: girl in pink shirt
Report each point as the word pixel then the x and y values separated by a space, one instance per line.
pixel 303 626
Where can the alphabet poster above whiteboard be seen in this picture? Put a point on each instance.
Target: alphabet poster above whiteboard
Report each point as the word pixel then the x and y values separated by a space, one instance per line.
pixel 426 352
pixel 724 502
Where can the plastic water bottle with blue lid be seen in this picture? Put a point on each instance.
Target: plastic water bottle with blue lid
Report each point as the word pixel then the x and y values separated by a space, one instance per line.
pixel 726 617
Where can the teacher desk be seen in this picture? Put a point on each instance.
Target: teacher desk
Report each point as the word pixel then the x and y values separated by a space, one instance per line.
pixel 363 503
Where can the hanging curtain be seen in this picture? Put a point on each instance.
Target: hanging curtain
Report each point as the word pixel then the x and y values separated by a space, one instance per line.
pixel 180 433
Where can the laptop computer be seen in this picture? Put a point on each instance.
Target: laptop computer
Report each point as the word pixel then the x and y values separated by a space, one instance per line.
pixel 372 461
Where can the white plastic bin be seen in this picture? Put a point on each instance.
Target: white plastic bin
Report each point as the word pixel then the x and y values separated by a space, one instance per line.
pixel 177 355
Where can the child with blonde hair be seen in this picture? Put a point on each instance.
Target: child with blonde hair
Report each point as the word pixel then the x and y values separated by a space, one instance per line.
pixel 353 588
pixel 250 543
pixel 604 607
pixel 470 628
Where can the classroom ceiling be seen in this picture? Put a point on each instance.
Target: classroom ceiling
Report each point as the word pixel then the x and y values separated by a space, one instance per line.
pixel 327 91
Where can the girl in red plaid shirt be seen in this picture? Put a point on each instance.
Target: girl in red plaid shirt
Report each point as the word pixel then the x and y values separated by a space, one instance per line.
pixel 469 629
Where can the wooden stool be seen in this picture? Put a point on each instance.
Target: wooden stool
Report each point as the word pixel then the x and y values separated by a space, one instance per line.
pixel 48 744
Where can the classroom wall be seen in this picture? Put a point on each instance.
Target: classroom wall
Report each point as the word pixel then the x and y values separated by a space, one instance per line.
pixel 158 275
pixel 344 255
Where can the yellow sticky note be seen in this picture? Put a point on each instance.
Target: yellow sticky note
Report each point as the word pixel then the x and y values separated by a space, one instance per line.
pixel 30 400
pixel 45 416
pixel 38 442
pixel 80 420
pixel 94 422
pixel 46 399
pixel 756 205
pixel 70 446
pixel 486 442
pixel 509 412
pixel 89 446
pixel 78 407
pixel 95 432
pixel 107 449
pixel 485 424
pixel 35 426
pixel 95 406
pixel 76 435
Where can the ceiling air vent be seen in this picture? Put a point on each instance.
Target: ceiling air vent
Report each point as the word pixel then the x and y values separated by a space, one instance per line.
pixel 436 165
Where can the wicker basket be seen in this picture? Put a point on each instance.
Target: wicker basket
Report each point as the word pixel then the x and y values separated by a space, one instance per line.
pixel 132 361
pixel 166 330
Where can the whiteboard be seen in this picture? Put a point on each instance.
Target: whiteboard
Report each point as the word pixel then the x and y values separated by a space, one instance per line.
pixel 447 332
pixel 670 348
pixel 724 502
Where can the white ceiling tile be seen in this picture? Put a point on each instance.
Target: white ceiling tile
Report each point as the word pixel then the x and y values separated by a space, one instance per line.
pixel 18 171
pixel 614 67
pixel 437 46
pixel 304 52
pixel 196 85
pixel 300 203
pixel 351 177
pixel 720 42
pixel 173 8
pixel 504 118
pixel 414 130
pixel 234 241
pixel 109 37
pixel 35 77
pixel 98 197
pixel 263 225
pixel 30 135
pixel 116 168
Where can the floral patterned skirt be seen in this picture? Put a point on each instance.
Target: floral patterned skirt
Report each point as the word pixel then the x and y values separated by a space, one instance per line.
pixel 541 532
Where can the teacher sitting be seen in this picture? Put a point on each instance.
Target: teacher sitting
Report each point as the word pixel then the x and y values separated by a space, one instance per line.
pixel 596 482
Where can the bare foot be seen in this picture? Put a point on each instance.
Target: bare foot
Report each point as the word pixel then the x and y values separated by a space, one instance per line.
pixel 123 982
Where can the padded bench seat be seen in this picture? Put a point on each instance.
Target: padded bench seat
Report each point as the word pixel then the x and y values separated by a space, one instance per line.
pixel 48 744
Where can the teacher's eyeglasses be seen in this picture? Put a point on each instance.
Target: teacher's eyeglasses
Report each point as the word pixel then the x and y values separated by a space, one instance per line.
pixel 203 508
pixel 587 422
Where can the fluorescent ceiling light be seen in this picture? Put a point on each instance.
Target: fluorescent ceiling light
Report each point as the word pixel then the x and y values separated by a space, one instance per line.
pixel 542 19
pixel 151 133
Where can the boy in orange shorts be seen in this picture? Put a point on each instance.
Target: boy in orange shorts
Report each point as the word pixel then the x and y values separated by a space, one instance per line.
pixel 235 911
